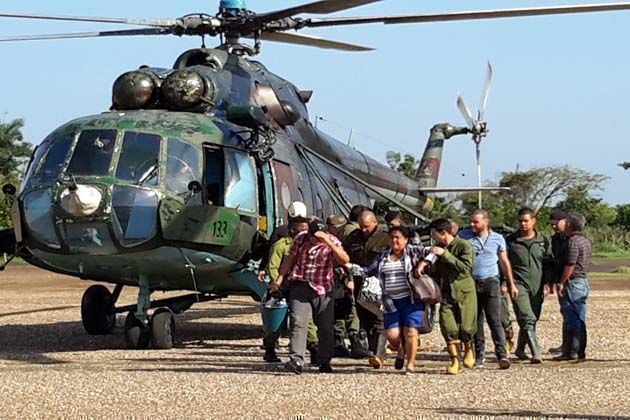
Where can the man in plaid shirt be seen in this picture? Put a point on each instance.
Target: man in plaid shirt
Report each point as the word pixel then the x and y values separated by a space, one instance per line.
pixel 310 262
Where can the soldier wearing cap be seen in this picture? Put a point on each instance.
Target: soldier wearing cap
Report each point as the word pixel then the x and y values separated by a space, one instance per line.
pixel 350 325
pixel 558 220
pixel 279 246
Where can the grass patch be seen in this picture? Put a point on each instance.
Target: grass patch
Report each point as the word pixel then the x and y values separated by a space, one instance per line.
pixel 617 254
pixel 624 269
pixel 608 276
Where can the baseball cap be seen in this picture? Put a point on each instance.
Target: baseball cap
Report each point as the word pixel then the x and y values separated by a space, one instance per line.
pixel 336 220
pixel 297 209
pixel 557 215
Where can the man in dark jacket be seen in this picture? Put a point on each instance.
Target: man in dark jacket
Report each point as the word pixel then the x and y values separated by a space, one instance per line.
pixel 558 220
pixel 364 246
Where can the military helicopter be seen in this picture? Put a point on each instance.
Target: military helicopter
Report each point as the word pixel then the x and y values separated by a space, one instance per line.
pixel 180 184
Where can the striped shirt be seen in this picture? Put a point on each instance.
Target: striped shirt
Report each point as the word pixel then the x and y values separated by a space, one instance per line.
pixel 313 263
pixel 395 278
pixel 579 254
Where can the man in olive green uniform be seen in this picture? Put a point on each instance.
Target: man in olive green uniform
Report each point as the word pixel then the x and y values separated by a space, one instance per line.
pixel 352 223
pixel 529 253
pixel 350 325
pixel 364 246
pixel 458 310
pixel 278 251
pixel 506 322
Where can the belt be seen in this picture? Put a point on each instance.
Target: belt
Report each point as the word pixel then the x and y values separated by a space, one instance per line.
pixel 485 279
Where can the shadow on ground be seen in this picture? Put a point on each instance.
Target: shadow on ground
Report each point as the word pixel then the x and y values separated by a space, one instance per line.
pixel 35 343
pixel 519 413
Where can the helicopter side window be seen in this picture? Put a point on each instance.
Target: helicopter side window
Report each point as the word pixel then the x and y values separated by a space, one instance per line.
pixel 213 175
pixel 93 153
pixel 182 166
pixel 240 181
pixel 49 159
pixel 139 158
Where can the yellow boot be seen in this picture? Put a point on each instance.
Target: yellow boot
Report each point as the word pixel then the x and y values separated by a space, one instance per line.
pixel 453 352
pixel 469 355
pixel 509 346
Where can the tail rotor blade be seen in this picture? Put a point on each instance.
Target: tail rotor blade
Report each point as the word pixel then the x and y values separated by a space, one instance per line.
pixel 463 109
pixel 485 92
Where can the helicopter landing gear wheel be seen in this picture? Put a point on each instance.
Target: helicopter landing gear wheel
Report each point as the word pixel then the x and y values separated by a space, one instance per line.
pixel 137 333
pixel 162 329
pixel 97 310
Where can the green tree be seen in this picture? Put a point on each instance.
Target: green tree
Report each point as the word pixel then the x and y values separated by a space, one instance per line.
pixel 540 187
pixel 14 151
pixel 404 164
pixel 596 212
pixel 623 216
pixel 14 154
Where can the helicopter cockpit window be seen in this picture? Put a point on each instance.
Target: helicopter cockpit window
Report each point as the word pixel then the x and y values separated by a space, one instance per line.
pixel 139 158
pixel 240 181
pixel 93 153
pixel 48 160
pixel 182 166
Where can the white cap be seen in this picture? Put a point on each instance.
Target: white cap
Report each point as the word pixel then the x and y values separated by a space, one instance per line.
pixel 297 209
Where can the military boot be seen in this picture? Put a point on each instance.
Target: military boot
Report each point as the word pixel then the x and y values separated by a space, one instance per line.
pixel 271 356
pixel 469 355
pixel 532 341
pixel 358 350
pixel 453 352
pixel 520 345
pixel 314 352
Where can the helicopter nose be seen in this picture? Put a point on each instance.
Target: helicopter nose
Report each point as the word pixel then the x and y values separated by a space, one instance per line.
pixel 80 200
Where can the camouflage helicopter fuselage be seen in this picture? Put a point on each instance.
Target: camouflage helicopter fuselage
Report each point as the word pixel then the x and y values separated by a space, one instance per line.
pixel 156 227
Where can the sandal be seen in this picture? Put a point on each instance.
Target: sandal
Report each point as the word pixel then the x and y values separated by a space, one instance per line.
pixel 399 363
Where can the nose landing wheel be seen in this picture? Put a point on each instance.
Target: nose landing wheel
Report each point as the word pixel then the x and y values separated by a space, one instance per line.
pixel 162 328
pixel 97 310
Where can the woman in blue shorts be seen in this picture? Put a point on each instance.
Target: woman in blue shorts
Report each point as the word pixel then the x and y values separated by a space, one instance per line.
pixel 402 315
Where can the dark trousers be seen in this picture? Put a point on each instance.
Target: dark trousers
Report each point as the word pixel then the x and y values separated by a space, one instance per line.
pixel 370 321
pixel 305 304
pixel 489 307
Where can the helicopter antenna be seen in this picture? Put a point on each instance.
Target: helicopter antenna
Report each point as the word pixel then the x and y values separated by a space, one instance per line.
pixel 478 128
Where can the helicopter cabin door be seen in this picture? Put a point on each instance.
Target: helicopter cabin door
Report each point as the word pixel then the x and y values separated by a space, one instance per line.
pixel 285 190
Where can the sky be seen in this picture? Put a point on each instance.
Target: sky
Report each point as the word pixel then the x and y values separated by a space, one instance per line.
pixel 560 94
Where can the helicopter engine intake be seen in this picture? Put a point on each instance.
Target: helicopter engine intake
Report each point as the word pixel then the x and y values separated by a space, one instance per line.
pixel 137 89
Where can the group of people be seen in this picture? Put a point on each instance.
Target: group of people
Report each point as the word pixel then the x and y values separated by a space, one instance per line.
pixel 327 272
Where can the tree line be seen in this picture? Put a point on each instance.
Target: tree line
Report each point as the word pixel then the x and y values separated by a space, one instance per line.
pixel 542 189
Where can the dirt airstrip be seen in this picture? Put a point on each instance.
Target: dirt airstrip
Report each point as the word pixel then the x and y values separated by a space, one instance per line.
pixel 49 367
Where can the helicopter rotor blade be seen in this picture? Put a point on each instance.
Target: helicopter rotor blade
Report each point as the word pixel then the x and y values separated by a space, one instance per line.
pixel 127 32
pixel 471 15
pixel 485 92
pixel 311 41
pixel 463 109
pixel 126 21
pixel 317 7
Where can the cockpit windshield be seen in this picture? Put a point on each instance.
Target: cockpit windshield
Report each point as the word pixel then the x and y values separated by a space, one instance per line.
pixel 139 158
pixel 48 160
pixel 93 153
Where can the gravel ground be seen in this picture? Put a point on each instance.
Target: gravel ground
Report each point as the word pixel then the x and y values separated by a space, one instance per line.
pixel 51 368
